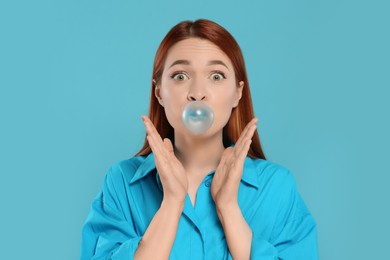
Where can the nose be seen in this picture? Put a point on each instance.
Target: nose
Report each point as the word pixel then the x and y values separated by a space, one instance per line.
pixel 196 93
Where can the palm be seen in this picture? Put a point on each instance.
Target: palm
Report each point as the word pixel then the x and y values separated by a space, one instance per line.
pixel 170 169
pixel 226 181
pixel 226 178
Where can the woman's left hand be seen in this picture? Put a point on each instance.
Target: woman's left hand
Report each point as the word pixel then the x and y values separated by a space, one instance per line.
pixel 227 176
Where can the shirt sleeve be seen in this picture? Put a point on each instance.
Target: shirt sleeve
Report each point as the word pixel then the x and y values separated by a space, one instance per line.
pixel 297 241
pixel 294 234
pixel 106 233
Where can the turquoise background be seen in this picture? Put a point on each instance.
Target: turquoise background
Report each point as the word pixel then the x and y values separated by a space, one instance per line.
pixel 75 79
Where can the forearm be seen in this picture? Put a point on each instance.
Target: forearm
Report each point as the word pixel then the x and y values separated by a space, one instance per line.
pixel 158 239
pixel 237 231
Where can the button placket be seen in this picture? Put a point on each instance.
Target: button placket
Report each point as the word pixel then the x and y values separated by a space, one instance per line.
pixel 208 180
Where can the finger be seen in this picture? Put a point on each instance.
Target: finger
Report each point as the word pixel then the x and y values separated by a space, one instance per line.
pixel 168 145
pixel 247 127
pixel 149 131
pixel 159 161
pixel 230 165
pixel 246 133
pixel 248 136
pixel 244 151
pixel 159 156
pixel 151 128
pixel 153 146
pixel 175 163
pixel 153 133
pixel 171 153
pixel 225 156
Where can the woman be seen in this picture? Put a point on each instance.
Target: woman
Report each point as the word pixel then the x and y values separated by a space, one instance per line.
pixel 200 196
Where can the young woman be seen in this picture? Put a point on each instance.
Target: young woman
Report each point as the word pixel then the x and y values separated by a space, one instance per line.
pixel 209 195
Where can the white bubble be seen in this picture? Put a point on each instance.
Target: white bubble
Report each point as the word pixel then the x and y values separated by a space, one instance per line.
pixel 197 117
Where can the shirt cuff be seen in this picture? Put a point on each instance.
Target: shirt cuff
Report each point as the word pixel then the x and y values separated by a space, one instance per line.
pixel 125 251
pixel 261 249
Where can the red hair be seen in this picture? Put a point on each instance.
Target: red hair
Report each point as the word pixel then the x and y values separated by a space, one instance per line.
pixel 241 114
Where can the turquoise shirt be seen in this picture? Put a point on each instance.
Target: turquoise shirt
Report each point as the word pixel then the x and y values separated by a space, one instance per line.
pixel 131 194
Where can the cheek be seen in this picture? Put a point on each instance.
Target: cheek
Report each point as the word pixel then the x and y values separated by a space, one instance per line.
pixel 173 106
pixel 223 108
pixel 172 100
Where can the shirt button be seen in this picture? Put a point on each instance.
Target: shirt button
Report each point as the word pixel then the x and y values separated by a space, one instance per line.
pixel 207 183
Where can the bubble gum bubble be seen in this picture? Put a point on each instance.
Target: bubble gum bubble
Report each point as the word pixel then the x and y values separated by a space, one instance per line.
pixel 197 117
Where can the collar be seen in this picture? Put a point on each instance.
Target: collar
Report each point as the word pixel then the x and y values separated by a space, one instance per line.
pixel 148 166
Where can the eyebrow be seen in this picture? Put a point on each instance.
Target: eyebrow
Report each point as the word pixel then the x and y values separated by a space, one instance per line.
pixel 209 63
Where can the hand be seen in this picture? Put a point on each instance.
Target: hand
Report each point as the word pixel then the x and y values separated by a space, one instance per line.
pixel 227 176
pixel 171 171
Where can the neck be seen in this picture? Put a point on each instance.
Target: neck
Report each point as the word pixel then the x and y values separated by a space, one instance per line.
pixel 199 153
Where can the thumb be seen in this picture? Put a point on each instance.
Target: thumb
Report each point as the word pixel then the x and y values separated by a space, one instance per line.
pixel 225 155
pixel 227 152
pixel 168 145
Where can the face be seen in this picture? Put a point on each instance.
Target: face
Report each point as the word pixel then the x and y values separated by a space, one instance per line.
pixel 197 69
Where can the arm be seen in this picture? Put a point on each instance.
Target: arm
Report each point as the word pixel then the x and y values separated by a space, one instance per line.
pixel 294 229
pixel 110 232
pixel 295 239
pixel 224 191
pixel 159 237
pixel 237 231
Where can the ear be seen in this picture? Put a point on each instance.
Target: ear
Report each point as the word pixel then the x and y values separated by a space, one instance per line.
pixel 238 93
pixel 157 93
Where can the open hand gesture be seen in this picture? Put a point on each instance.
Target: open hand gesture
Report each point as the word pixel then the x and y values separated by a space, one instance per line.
pixel 227 177
pixel 171 171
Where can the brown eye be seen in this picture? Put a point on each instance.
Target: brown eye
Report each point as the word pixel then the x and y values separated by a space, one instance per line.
pixel 179 76
pixel 218 76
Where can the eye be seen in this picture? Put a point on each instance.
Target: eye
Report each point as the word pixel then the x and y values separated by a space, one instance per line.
pixel 217 76
pixel 179 76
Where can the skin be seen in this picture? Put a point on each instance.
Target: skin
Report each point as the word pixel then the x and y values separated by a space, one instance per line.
pixel 184 165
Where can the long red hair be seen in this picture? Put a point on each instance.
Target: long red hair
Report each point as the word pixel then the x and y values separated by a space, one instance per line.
pixel 241 114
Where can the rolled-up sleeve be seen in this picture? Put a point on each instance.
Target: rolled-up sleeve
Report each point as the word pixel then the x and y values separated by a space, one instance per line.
pixel 294 235
pixel 106 233
pixel 298 240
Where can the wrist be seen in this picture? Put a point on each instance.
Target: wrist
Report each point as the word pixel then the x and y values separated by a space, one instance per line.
pixel 176 206
pixel 227 208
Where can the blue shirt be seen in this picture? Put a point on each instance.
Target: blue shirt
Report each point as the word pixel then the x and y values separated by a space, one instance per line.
pixel 131 194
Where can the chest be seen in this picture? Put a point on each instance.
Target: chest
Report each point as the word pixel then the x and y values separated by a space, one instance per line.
pixel 200 234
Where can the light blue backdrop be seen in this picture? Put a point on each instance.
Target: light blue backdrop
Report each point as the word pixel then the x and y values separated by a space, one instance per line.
pixel 75 79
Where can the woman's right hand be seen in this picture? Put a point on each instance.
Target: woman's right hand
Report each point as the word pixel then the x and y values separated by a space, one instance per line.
pixel 171 171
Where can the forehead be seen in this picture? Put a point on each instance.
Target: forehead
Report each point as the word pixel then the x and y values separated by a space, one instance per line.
pixel 197 50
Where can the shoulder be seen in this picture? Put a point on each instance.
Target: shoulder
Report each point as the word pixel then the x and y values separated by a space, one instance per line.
pixel 278 183
pixel 272 173
pixel 124 170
